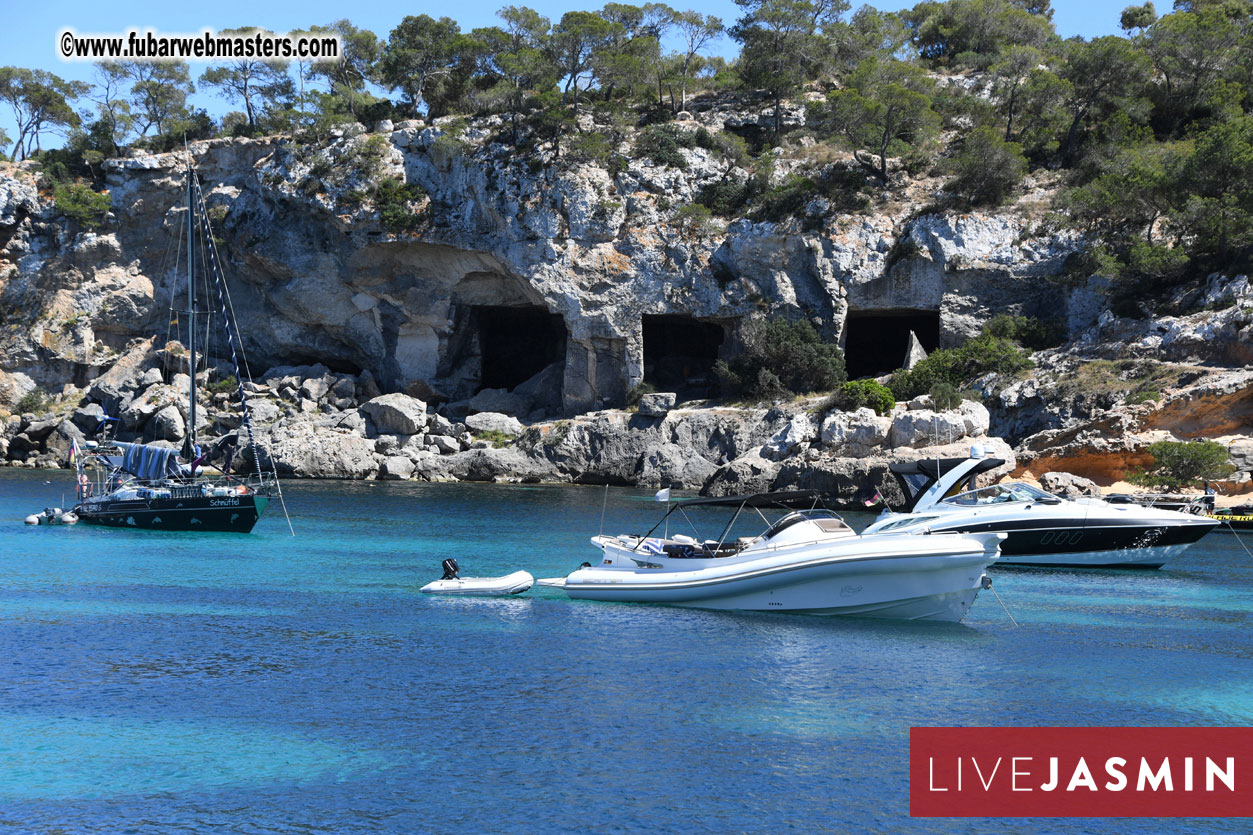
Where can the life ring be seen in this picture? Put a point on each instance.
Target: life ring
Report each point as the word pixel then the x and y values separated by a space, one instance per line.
pixel 241 490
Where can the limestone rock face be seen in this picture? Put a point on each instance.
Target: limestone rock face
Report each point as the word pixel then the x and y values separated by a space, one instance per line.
pixel 396 414
pixel 923 427
pixel 798 432
pixel 671 465
pixel 750 473
pixel 298 449
pixel 396 467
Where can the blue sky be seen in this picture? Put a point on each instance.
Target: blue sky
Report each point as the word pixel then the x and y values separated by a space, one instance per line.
pixel 28 34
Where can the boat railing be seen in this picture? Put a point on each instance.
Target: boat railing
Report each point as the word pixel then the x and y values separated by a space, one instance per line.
pixel 254 484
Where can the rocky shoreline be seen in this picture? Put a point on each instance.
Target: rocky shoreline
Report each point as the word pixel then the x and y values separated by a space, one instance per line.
pixel 310 422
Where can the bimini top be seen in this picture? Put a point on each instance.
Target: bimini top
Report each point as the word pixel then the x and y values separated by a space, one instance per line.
pixel 928 480
pixel 787 498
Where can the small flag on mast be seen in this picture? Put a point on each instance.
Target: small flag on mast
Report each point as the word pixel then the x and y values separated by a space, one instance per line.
pixel 73 450
pixel 874 500
pixel 663 495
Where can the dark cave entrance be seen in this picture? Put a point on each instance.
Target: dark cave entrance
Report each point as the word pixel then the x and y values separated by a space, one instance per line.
pixel 516 343
pixel 679 354
pixel 875 341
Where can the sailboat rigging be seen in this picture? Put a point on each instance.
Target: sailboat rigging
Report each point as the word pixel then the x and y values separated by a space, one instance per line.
pixel 140 485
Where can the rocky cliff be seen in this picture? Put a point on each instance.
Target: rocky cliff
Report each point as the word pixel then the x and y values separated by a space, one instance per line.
pixel 544 288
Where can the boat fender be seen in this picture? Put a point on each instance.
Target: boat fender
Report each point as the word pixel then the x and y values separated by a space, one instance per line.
pixel 451 571
pixel 241 489
pixel 33 519
pixel 985 582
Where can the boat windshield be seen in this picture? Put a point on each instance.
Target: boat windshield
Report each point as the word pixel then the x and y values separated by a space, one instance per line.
pixel 1014 491
pixel 828 520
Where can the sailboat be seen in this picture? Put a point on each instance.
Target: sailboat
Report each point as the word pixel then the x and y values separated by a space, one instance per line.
pixel 149 486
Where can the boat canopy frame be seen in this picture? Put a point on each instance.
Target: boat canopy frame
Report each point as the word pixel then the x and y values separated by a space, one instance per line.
pixel 784 500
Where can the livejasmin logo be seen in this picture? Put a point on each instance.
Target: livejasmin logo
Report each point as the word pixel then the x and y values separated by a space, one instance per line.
pixel 1080 772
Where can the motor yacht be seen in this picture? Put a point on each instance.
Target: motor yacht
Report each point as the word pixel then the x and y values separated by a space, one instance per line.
pixel 1043 529
pixel 808 560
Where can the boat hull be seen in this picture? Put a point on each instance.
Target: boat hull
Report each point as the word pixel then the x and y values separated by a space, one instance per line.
pixel 226 514
pixel 1094 545
pixel 515 583
pixel 935 587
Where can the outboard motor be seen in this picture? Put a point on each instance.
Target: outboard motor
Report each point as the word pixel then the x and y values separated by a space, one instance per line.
pixel 451 572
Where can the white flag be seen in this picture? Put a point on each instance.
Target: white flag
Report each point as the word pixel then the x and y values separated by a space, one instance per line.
pixel 663 495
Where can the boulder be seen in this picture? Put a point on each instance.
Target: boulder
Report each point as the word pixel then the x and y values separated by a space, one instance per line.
pixel 62 438
pixel 855 434
pixel 494 422
pixel 1069 486
pixel 506 464
pixel 88 417
pixel 168 425
pixel 915 353
pixel 396 468
pixel 437 424
pixel 443 444
pixel 798 432
pixel 396 414
pixel 657 404
pixel 975 418
pixel 923 427
pixel 750 473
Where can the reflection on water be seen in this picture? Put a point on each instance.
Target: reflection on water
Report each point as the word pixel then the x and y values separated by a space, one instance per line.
pixel 158 683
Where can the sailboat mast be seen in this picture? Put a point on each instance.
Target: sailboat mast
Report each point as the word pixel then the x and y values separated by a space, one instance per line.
pixel 191 308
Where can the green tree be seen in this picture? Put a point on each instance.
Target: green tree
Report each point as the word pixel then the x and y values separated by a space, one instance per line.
pixel 987 169
pixel 1137 18
pixel 40 101
pixel 1106 75
pixel 782 44
pixel 116 121
pixel 517 57
pixel 1135 190
pixel 696 32
pixel 348 77
pixel 1010 75
pixel 261 85
pixel 974 32
pixel 420 53
pixel 1192 53
pixel 885 108
pixel 574 42
pixel 1177 466
pixel 1218 214
pixel 622 60
pixel 159 91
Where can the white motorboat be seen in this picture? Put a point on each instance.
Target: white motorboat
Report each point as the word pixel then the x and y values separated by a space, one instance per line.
pixel 453 583
pixel 1042 529
pixel 808 561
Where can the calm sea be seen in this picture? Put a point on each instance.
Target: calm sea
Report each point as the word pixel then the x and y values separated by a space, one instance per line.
pixel 169 683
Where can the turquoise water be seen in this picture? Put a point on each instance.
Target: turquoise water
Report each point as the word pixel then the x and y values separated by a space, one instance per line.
pixel 168 683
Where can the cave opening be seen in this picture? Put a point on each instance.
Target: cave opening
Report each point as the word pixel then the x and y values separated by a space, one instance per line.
pixel 876 341
pixel 679 354
pixel 516 343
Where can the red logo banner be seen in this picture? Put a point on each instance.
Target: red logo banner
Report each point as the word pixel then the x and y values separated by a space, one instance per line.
pixel 1081 772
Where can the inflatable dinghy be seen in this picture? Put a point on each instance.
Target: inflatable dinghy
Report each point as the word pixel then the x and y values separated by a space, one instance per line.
pixel 52 516
pixel 453 583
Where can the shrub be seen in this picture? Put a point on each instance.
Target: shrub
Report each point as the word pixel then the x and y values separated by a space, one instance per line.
pixel 957 366
pixel 498 439
pixel 661 144
pixel 944 396
pixel 1179 465
pixel 782 358
pixel 1027 331
pixel 637 391
pixel 857 394
pixel 694 219
pixel 725 197
pixel 392 199
pixel 226 384
pixel 78 202
pixel 987 169
pixel 36 401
